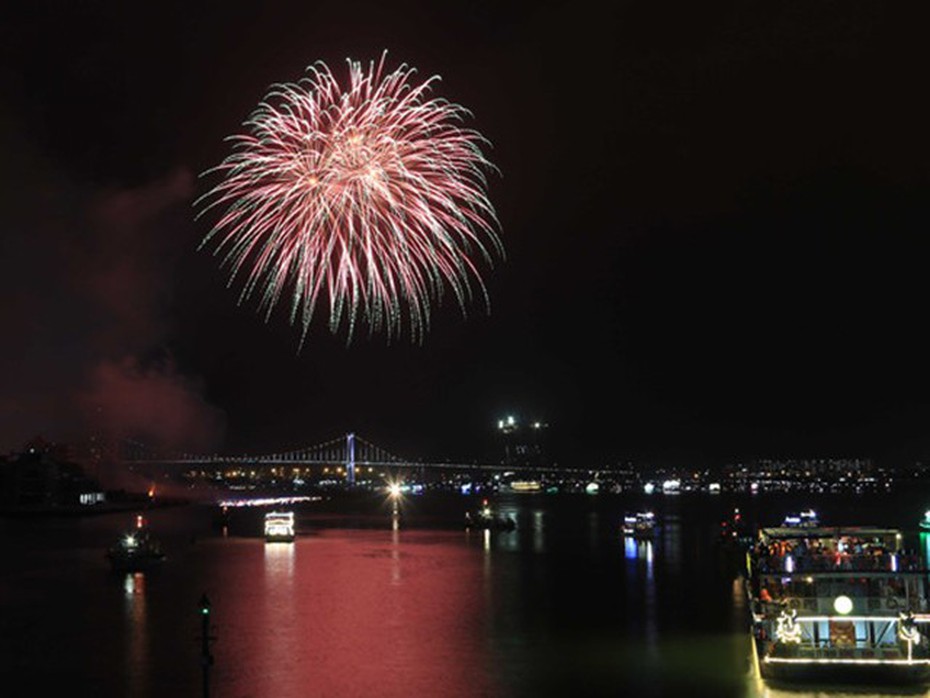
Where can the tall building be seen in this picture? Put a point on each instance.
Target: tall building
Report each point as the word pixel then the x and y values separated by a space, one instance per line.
pixel 524 444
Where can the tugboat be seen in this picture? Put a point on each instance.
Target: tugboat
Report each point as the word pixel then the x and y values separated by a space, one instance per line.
pixel 136 550
pixel 734 531
pixel 279 527
pixel 641 524
pixel 843 604
pixel 486 517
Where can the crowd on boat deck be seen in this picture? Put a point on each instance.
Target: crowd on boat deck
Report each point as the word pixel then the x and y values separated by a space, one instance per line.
pixel 849 552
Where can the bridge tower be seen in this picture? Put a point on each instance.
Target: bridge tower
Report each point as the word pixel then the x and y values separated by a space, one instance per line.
pixel 350 458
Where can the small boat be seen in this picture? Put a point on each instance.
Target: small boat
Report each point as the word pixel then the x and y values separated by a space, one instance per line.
pixel 279 527
pixel 734 531
pixel 641 524
pixel 136 549
pixel 486 517
pixel 805 519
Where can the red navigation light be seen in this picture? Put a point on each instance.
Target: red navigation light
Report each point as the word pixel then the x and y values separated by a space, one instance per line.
pixel 140 522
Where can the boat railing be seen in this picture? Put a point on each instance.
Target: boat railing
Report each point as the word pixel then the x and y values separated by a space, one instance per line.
pixel 863 605
pixel 807 562
pixel 824 649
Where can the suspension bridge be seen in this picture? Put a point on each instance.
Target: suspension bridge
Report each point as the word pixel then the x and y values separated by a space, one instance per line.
pixel 351 452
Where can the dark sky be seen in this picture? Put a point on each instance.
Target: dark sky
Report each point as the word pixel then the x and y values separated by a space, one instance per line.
pixel 715 217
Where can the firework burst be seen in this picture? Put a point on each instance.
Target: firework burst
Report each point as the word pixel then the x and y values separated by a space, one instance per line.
pixel 369 196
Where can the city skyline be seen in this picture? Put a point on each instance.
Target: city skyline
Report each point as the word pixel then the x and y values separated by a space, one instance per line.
pixel 714 222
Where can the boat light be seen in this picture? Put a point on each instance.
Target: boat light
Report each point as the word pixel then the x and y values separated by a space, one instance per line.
pixel 907 630
pixel 843 604
pixel 787 629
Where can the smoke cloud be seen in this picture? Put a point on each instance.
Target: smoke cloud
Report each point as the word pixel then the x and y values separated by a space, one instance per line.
pixel 86 282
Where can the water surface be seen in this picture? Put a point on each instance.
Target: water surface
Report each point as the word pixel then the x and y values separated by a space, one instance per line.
pixel 363 604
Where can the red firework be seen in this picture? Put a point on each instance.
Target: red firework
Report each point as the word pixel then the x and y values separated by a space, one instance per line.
pixel 371 195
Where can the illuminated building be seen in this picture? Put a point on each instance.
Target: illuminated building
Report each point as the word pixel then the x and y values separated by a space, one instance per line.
pixel 524 444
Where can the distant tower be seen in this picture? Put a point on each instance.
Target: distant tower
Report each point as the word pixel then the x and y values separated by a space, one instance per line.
pixel 507 428
pixel 524 445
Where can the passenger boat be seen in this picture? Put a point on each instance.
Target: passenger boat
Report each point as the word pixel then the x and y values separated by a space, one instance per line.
pixel 841 604
pixel 279 527
pixel 486 517
pixel 641 524
pixel 136 550
pixel 925 522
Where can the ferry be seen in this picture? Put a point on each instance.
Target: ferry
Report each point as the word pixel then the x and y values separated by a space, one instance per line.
pixel 843 604
pixel 526 486
pixel 279 527
pixel 136 550
pixel 641 524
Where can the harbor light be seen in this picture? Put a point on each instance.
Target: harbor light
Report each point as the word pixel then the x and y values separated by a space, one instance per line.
pixel 843 604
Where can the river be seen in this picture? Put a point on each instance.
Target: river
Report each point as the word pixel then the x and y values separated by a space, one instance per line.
pixel 363 604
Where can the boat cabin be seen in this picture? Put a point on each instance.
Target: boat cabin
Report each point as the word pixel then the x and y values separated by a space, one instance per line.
pixel 846 596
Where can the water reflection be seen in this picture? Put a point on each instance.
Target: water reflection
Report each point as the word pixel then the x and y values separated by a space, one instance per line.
pixel 640 556
pixel 671 542
pixel 539 533
pixel 395 550
pixel 137 630
pixel 280 613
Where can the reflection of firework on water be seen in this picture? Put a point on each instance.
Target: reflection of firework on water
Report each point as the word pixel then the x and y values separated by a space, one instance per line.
pixel 371 195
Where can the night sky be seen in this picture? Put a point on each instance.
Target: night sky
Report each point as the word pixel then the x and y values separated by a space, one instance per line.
pixel 715 219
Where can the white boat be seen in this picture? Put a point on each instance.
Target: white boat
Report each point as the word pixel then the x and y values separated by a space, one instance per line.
pixel 843 604
pixel 804 519
pixel 279 526
pixel 640 524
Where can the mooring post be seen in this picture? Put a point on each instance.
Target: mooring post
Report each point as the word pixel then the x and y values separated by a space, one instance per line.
pixel 206 659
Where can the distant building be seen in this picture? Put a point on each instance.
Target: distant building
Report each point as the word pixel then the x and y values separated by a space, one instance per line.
pixel 41 477
pixel 524 444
